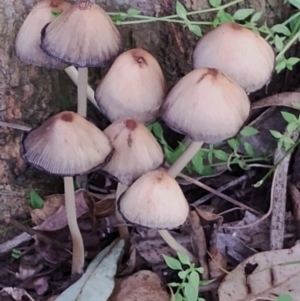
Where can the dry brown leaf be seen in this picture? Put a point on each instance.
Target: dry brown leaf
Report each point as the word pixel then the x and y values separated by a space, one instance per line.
pixel 217 263
pixel 208 216
pixel 286 99
pixel 29 266
pixel 16 293
pixel 271 276
pixel 58 220
pixel 141 286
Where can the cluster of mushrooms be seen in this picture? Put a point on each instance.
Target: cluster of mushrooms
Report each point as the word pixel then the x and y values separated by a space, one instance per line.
pixel 208 105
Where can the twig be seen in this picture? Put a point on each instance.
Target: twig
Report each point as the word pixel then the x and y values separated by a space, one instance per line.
pixel 15 126
pixel 225 187
pixel 219 194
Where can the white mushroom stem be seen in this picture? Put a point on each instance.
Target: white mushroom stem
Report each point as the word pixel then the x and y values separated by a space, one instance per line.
pixel 184 159
pixel 123 230
pixel 77 242
pixel 82 91
pixel 73 74
pixel 172 242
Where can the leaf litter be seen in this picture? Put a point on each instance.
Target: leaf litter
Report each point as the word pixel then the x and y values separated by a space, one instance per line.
pixel 231 243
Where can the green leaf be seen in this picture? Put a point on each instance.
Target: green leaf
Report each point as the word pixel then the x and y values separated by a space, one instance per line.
pixel 278 42
pixel 280 28
pixel 221 155
pixel 182 274
pixel 289 117
pixel 56 12
pixel 36 202
pixel 233 143
pixel 224 17
pixel 243 13
pixel 288 142
pixel 276 134
pixel 284 297
pixel 194 279
pixel 280 65
pixel 133 12
pixel 197 162
pixel 210 157
pixel 256 17
pixel 173 155
pixel 296 105
pixel 98 282
pixel 190 292
pixel 200 270
pixel 295 3
pixel 215 3
pixel 195 29
pixel 291 62
pixel 178 297
pixel 174 284
pixel 249 149
pixel 180 10
pixel 172 263
pixel 248 131
pixel 183 258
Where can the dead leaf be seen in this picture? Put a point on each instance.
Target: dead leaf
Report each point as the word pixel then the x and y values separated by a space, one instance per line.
pixel 141 286
pixel 208 216
pixel 29 266
pixel 58 220
pixel 286 99
pixel 199 242
pixel 16 293
pixel 269 276
pixel 40 285
pixel 295 197
pixel 217 263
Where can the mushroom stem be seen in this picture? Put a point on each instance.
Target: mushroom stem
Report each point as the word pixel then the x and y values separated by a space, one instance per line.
pixel 171 241
pixel 82 91
pixel 123 230
pixel 184 159
pixel 73 74
pixel 77 242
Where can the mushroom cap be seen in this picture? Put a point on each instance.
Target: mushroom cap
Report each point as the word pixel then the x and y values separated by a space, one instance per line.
pixel 83 35
pixel 66 144
pixel 239 53
pixel 154 200
pixel 28 40
pixel 206 106
pixel 133 87
pixel 136 151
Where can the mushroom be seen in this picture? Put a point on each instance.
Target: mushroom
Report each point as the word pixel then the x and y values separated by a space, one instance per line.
pixel 238 52
pixel 206 106
pixel 67 145
pixel 28 40
pixel 83 36
pixel 136 151
pixel 155 200
pixel 133 87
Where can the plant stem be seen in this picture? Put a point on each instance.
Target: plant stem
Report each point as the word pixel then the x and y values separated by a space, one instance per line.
pixel 288 45
pixel 184 159
pixel 82 91
pixel 77 242
pixel 163 19
pixel 171 241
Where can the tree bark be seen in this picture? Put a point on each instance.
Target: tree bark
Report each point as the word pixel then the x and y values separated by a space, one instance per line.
pixel 28 95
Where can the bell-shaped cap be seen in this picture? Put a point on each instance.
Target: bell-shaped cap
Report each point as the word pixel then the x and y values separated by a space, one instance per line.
pixel 154 200
pixel 133 87
pixel 83 36
pixel 206 106
pixel 66 144
pixel 239 53
pixel 28 40
pixel 136 151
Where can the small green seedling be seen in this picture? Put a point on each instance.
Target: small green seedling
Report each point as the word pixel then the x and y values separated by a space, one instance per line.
pixel 188 289
pixel 15 253
pixel 36 202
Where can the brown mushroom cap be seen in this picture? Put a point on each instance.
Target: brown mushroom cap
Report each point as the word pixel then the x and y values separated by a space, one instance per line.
pixel 133 87
pixel 136 151
pixel 28 40
pixel 206 106
pixel 154 200
pixel 239 53
pixel 66 144
pixel 83 35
